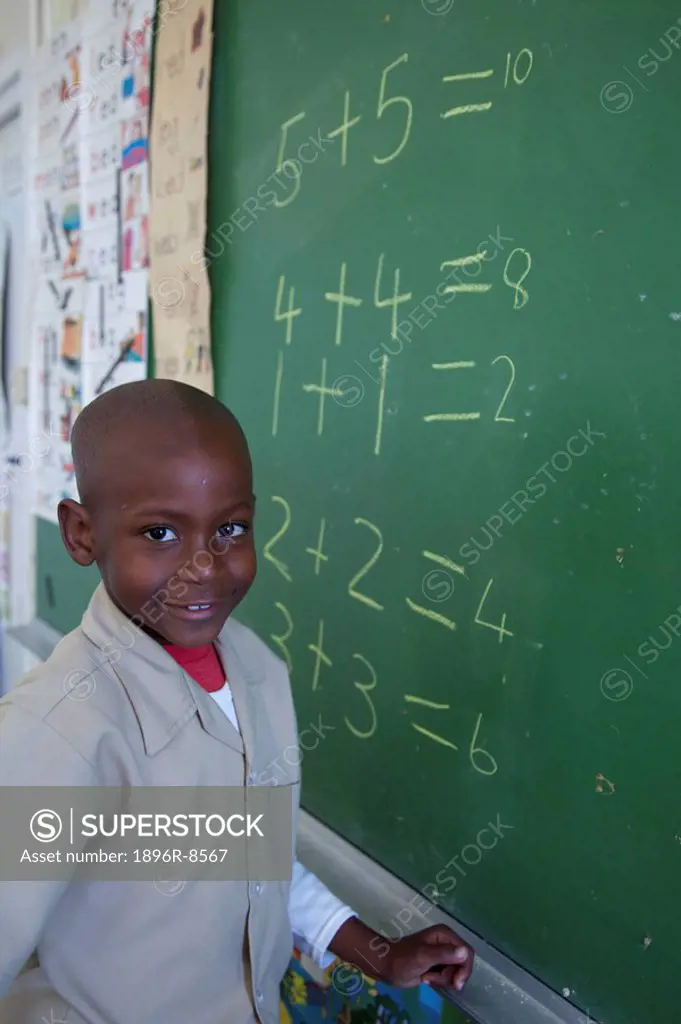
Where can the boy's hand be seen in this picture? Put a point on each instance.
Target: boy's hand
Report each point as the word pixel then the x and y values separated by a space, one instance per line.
pixel 407 962
pixel 412 960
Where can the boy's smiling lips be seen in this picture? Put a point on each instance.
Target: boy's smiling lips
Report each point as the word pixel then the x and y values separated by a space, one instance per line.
pixel 195 611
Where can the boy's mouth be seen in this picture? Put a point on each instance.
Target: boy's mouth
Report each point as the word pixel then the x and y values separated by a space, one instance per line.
pixel 192 612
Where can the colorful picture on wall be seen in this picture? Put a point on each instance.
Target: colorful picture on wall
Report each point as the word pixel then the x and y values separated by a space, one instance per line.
pixel 135 194
pixel 71 342
pixel 71 404
pixel 135 255
pixel 136 81
pixel 70 92
pixel 134 141
pixel 135 342
pixel 71 227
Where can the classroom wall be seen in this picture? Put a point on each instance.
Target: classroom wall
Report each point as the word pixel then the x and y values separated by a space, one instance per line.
pixel 25 21
pixel 15 21
pixel 15 510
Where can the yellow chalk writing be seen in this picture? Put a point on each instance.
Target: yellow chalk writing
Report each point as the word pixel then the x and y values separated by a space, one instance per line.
pixel 277 393
pixel 322 390
pixel 343 300
pixel 466 288
pixel 395 299
pixel 318 552
pixel 446 562
pixel 320 656
pixel 497 416
pixel 434 736
pixel 467 108
pixel 411 699
pixel 452 417
pixel 501 630
pixel 281 638
pixel 344 128
pixel 289 314
pixel 524 56
pixel 282 164
pixel 352 586
pixel 479 754
pixel 468 75
pixel 383 379
pixel 428 613
pixel 521 295
pixel 471 287
pixel 364 689
pixel 465 261
pixel 280 566
pixel 466 364
pixel 384 104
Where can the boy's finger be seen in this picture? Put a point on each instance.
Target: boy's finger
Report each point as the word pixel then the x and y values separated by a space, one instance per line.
pixel 462 974
pixel 442 979
pixel 449 954
pixel 441 934
pixel 429 956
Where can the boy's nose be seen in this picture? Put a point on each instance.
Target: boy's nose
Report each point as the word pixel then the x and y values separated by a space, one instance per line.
pixel 201 565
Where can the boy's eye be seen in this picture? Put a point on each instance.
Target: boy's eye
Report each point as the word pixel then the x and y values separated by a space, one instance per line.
pixel 161 534
pixel 230 531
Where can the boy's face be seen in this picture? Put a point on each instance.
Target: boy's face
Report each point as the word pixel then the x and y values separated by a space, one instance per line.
pixel 176 547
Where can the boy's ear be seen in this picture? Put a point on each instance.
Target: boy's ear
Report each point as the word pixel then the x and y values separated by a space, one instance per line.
pixel 76 531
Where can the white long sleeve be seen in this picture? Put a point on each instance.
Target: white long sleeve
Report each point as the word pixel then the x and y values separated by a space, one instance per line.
pixel 314 912
pixel 315 915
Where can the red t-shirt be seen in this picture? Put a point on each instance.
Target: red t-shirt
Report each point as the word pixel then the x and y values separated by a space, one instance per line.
pixel 201 663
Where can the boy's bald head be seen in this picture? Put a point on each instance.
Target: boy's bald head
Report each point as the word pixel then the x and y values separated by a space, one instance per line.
pixel 166 506
pixel 144 421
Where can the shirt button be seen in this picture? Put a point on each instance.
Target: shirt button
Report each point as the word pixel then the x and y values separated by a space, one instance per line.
pixel 259 997
pixel 257 888
pixel 251 778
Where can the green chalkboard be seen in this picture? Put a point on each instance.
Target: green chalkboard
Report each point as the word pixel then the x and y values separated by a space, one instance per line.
pixel 63 589
pixel 546 137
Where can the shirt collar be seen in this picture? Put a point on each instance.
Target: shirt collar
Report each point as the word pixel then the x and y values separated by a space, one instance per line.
pixel 163 696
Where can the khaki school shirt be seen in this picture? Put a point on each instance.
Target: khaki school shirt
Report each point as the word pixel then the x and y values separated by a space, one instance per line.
pixel 125 952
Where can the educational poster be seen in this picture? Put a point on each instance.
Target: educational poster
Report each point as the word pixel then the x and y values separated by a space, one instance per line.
pixel 90 235
pixel 115 344
pixel 179 285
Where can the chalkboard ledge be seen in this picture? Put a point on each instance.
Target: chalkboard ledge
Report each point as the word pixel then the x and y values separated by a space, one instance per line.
pixel 498 990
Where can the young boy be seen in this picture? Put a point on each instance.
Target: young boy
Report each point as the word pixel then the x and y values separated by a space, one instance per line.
pixel 185 697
